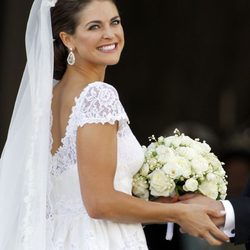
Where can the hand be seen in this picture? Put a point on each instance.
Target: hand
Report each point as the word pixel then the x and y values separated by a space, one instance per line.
pixel 163 199
pixel 209 203
pixel 195 220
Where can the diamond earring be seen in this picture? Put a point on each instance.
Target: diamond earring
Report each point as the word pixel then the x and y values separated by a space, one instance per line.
pixel 71 57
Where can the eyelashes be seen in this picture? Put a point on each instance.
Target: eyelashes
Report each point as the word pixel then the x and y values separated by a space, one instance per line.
pixel 98 26
pixel 116 21
pixel 94 27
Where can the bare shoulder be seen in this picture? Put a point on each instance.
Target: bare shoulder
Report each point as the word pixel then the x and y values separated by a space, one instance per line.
pixel 66 94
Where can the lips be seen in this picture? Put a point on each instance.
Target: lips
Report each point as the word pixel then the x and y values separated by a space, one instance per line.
pixel 108 47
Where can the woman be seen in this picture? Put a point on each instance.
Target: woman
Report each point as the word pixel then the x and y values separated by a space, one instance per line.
pixel 94 154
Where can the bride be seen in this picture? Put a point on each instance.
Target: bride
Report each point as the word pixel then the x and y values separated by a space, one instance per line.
pixel 67 166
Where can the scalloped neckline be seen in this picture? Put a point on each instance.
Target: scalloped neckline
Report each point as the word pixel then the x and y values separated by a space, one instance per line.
pixel 76 99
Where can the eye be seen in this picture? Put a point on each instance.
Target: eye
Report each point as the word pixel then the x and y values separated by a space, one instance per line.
pixel 94 27
pixel 116 22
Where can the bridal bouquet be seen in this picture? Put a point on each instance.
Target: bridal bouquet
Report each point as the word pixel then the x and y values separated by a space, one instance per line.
pixel 176 165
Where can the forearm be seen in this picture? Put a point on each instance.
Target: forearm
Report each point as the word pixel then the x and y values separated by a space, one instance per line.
pixel 123 208
pixel 120 207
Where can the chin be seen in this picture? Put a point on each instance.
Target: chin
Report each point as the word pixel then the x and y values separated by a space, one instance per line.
pixel 113 61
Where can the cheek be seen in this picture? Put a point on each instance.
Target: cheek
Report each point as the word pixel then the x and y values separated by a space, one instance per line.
pixel 85 40
pixel 121 35
pixel 86 43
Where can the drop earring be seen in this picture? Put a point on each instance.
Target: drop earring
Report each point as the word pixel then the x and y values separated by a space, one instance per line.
pixel 71 57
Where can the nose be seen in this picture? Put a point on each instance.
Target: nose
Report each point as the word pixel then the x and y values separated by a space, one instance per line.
pixel 108 33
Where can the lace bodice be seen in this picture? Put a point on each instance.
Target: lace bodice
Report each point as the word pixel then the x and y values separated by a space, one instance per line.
pixel 98 103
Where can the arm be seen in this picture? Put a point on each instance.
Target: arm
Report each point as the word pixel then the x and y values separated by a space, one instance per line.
pixel 96 154
pixel 241 207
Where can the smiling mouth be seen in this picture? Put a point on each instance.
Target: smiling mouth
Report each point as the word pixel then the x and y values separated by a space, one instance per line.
pixel 108 48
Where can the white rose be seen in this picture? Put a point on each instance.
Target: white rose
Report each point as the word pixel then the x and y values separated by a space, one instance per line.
pixel 187 152
pixel 164 153
pixel 185 166
pixel 211 177
pixel 161 149
pixel 172 169
pixel 199 165
pixel 209 189
pixel 206 147
pixel 172 141
pixel 140 187
pixel 144 170
pixel 201 148
pixel 161 184
pixel 191 185
pixel 185 140
pixel 213 160
pixel 210 168
pixel 220 172
pixel 177 167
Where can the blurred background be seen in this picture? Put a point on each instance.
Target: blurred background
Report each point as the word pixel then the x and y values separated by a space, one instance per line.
pixel 186 64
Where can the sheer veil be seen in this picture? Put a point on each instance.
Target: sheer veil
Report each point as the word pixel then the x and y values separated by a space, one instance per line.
pixel 25 159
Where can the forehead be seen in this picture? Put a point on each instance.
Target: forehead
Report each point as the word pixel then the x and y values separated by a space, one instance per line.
pixel 98 10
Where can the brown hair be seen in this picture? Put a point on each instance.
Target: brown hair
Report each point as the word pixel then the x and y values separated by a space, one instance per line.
pixel 64 18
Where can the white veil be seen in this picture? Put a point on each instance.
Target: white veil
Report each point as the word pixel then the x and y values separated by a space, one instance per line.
pixel 25 159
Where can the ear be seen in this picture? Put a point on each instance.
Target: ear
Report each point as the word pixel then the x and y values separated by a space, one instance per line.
pixel 67 40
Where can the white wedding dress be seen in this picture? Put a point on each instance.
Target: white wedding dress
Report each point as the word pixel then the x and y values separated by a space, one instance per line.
pixel 69 226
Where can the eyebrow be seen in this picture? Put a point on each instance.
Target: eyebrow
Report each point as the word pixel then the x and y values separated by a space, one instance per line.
pixel 99 22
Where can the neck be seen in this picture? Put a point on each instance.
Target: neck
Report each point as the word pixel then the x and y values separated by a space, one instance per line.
pixel 84 75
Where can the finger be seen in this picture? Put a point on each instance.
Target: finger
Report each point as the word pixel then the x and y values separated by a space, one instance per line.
pixel 215 213
pixel 214 230
pixel 219 222
pixel 218 234
pixel 175 199
pixel 187 196
pixel 211 240
pixel 165 199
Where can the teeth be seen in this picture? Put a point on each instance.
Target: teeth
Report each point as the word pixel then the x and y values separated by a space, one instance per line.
pixel 107 48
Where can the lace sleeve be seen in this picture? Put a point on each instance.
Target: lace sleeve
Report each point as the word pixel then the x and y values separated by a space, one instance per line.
pixel 100 103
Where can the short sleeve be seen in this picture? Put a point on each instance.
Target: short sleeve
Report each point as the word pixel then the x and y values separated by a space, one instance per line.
pixel 99 103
